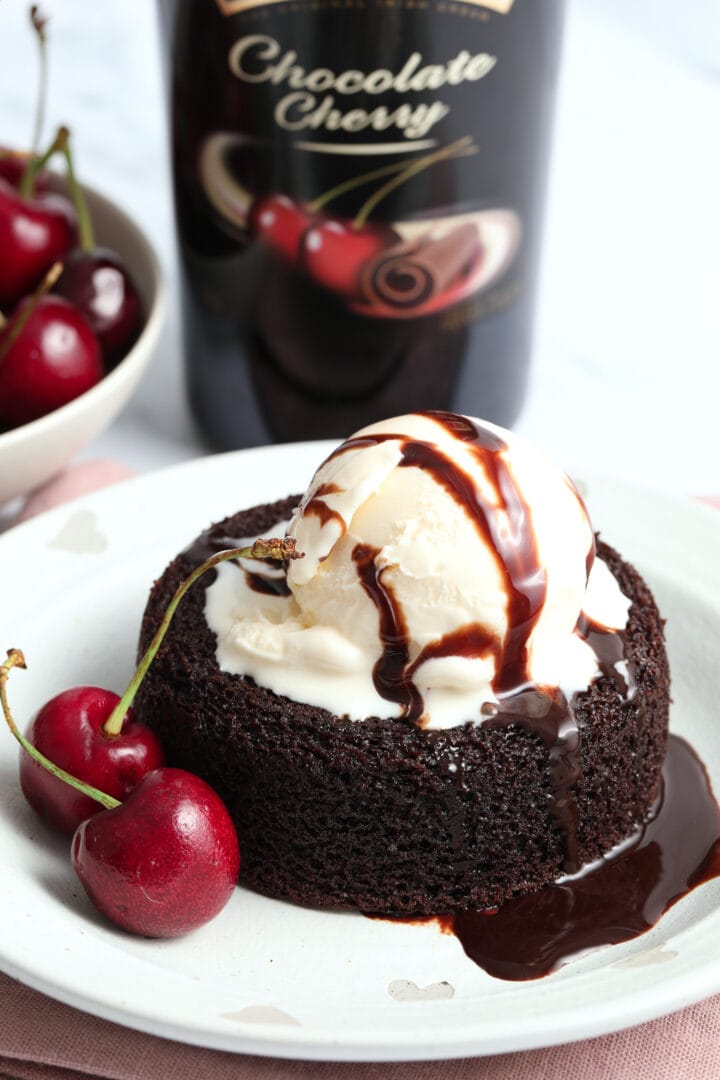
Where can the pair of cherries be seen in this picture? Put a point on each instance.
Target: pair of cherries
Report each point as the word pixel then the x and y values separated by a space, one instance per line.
pixel 154 847
pixel 332 251
pixel 55 347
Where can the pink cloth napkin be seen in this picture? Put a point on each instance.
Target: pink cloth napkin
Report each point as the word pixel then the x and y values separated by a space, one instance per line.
pixel 41 1039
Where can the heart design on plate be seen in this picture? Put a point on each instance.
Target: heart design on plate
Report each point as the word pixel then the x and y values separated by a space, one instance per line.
pixel 80 535
pixel 406 990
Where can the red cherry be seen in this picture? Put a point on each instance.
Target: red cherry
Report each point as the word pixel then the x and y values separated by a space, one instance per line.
pixel 164 862
pixel 54 358
pixel 12 168
pixel 34 233
pixel 69 731
pixel 98 284
pixel 334 252
pixel 280 222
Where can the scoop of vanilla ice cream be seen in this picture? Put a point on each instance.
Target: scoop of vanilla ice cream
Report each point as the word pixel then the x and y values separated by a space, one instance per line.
pixel 422 536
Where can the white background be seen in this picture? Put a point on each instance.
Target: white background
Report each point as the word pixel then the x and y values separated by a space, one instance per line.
pixel 626 362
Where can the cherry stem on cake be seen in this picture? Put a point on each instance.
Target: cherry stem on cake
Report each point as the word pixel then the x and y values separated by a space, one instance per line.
pixel 280 548
pixel 15 659
pixel 39 22
pixel 460 148
pixel 18 323
pixel 38 162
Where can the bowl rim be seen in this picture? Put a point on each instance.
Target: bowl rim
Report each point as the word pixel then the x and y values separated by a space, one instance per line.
pixel 139 355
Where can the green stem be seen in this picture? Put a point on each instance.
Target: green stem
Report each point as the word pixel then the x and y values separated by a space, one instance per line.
pixel 18 322
pixel 460 147
pixel 355 181
pixel 39 23
pixel 15 658
pixel 36 163
pixel 86 233
pixel 276 548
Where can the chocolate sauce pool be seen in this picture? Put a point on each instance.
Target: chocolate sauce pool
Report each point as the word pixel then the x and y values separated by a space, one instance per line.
pixel 614 899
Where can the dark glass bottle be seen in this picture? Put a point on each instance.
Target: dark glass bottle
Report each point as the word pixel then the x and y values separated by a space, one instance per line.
pixel 358 188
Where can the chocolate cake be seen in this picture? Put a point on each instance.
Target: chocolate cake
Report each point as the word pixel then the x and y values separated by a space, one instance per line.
pixel 383 815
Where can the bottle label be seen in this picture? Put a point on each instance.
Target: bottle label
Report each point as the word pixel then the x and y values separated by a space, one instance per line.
pixel 362 179
pixel 234 7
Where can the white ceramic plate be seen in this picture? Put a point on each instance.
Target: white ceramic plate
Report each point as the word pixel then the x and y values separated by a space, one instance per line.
pixel 266 977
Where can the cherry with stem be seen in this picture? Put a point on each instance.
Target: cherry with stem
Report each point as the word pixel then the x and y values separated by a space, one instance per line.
pixel 16 325
pixel 49 355
pixel 91 734
pixel 165 859
pixel 95 279
pixel 160 863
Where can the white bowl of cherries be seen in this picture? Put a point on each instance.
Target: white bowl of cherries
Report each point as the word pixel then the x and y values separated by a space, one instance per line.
pixel 82 302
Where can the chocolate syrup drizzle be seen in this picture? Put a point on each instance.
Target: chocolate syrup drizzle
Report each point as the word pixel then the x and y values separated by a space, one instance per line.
pixel 506 530
pixel 609 649
pixel 316 506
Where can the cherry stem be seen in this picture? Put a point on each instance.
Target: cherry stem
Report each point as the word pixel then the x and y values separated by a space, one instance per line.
pixel 15 658
pixel 19 321
pixel 275 548
pixel 459 148
pixel 37 162
pixel 39 22
pixel 355 181
pixel 86 233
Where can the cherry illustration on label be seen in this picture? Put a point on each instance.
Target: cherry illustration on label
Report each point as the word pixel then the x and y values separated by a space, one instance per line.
pixel 281 223
pixel 334 253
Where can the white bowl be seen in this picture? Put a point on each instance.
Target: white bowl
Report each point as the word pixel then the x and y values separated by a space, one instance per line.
pixel 34 452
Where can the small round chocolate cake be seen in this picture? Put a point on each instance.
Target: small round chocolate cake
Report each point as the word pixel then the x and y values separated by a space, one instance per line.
pixel 414 812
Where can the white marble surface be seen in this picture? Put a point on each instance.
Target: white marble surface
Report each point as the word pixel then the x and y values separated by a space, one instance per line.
pixel 626 371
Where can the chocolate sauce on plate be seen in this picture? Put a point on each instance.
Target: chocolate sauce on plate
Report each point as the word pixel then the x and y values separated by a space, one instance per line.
pixel 615 899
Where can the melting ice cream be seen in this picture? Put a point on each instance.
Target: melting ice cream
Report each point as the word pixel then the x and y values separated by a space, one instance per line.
pixel 448 567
